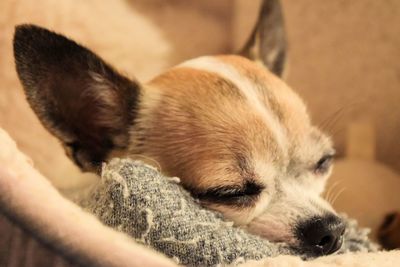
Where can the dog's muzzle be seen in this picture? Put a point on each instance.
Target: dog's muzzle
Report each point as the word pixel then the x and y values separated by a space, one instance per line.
pixel 321 235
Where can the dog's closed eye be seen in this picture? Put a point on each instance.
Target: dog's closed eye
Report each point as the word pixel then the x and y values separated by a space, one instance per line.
pixel 239 195
pixel 323 165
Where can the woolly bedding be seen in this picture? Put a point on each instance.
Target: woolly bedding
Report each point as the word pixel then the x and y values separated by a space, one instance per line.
pixel 79 238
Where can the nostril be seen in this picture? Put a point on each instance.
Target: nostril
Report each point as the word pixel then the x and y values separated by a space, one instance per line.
pixel 326 240
pixel 330 244
pixel 322 235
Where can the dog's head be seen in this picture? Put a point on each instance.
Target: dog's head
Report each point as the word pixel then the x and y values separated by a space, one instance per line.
pixel 238 137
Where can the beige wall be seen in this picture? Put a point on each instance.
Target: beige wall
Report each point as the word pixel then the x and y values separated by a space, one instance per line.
pixel 346 55
pixel 193 27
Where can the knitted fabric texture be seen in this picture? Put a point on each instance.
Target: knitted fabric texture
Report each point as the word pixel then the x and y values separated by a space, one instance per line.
pixel 156 211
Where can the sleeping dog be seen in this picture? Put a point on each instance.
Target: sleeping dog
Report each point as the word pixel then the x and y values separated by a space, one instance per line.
pixel 238 137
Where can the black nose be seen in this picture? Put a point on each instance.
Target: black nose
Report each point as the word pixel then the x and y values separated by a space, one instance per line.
pixel 321 235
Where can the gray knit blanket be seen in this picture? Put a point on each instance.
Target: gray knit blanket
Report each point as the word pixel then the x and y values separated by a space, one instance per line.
pixel 156 211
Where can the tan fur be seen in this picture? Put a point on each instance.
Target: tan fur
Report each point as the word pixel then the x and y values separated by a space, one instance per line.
pixel 177 139
pixel 198 128
pixel 292 110
pixel 198 125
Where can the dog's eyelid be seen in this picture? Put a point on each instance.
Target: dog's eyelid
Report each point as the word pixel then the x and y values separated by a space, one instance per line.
pixel 331 152
pixel 253 188
pixel 231 193
pixel 323 164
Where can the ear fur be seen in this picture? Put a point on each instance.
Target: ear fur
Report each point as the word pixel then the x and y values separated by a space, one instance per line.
pixel 77 96
pixel 267 43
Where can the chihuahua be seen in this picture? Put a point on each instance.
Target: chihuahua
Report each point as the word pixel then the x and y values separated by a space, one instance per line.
pixel 238 137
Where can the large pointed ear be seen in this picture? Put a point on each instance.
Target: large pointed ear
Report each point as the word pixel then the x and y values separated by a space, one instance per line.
pixel 77 96
pixel 267 43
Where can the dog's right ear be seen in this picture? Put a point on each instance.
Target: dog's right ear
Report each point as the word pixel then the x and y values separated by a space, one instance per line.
pixel 77 96
pixel 267 43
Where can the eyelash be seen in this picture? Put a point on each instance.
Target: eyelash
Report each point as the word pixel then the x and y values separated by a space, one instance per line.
pixel 232 194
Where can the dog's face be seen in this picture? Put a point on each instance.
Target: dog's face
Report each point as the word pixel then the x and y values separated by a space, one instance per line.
pixel 242 142
pixel 237 136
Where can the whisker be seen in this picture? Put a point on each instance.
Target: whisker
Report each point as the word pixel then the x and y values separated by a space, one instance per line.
pixel 338 131
pixel 331 118
pixel 329 192
pixel 338 194
pixel 331 121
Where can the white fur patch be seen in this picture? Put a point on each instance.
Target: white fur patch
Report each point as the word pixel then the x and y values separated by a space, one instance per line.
pixel 247 88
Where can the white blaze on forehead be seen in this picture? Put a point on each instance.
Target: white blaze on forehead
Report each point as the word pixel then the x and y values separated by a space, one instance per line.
pixel 248 90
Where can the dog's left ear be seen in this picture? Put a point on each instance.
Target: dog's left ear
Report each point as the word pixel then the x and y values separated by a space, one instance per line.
pixel 267 43
pixel 77 96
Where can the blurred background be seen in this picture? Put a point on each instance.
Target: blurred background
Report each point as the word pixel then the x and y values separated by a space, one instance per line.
pixel 343 61
pixel 343 55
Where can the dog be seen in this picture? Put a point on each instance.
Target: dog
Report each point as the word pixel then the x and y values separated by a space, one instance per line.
pixel 228 126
